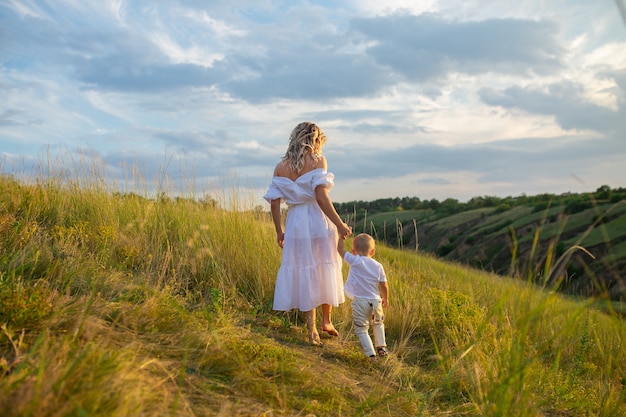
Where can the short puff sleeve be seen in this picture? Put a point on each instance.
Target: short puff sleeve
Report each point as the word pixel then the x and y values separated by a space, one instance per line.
pixel 273 193
pixel 324 179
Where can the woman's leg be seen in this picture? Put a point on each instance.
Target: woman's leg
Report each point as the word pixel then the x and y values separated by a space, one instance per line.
pixel 327 324
pixel 314 337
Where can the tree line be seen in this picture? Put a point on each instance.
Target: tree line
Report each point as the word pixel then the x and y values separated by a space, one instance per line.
pixel 573 202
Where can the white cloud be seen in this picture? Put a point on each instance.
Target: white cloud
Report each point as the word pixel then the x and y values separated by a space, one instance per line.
pixel 220 28
pixel 384 8
pixel 26 9
pixel 179 55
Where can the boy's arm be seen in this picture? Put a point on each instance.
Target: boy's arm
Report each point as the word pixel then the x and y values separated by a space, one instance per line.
pixel 384 292
pixel 341 243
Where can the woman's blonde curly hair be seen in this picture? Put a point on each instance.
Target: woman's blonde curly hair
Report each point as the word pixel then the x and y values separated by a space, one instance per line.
pixel 304 138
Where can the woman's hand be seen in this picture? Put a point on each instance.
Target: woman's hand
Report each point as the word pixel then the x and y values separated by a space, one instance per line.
pixel 344 230
pixel 280 238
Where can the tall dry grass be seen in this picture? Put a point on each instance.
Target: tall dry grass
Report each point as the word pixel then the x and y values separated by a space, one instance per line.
pixel 129 304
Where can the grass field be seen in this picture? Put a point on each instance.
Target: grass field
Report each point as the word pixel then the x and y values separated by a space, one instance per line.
pixel 124 305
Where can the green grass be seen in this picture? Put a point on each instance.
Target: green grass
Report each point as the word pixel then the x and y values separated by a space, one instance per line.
pixel 124 305
pixel 389 219
pixel 614 229
pixel 464 217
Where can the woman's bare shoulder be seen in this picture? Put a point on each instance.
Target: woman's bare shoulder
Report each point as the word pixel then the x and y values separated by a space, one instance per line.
pixel 317 161
pixel 281 169
pixel 323 163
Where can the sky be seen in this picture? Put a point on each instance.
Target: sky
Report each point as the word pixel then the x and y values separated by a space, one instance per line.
pixel 430 99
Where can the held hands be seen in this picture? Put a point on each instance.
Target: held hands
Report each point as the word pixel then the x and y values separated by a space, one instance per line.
pixel 344 230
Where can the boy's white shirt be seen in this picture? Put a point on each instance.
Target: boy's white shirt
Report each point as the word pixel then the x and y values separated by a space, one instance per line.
pixel 364 276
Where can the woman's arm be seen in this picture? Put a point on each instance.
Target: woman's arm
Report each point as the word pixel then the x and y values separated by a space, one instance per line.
pixel 323 199
pixel 325 203
pixel 275 209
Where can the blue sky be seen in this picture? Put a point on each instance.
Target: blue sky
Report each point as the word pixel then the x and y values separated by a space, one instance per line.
pixel 432 99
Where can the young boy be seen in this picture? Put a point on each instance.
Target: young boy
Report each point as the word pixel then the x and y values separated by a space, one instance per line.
pixel 367 287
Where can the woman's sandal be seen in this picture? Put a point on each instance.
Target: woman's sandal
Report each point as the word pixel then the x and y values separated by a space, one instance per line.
pixel 381 351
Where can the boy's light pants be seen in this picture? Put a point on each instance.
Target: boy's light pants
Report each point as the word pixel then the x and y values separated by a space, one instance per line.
pixel 367 311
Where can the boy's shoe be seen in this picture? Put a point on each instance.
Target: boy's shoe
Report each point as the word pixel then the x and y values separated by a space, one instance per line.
pixel 381 351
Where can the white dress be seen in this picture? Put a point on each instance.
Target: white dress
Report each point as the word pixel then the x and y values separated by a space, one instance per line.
pixel 310 271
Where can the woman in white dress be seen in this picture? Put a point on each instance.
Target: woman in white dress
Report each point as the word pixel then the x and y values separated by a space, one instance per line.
pixel 310 271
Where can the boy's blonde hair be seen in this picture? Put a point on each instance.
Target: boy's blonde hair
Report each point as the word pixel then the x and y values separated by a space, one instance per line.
pixel 363 244
pixel 304 138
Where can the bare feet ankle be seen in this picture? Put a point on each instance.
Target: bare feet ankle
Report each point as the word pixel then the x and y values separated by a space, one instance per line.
pixel 314 339
pixel 330 329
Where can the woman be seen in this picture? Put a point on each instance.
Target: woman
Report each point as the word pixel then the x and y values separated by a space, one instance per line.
pixel 310 272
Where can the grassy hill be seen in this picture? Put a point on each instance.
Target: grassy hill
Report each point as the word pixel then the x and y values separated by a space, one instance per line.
pixel 586 248
pixel 120 305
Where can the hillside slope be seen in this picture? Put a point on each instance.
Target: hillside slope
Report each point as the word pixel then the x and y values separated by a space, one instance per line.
pixel 119 305
pixel 586 249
